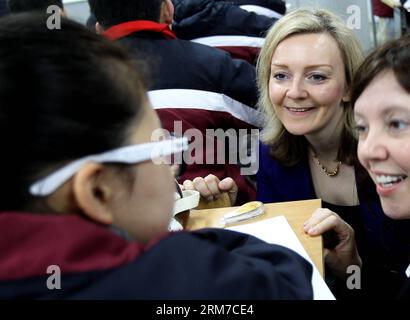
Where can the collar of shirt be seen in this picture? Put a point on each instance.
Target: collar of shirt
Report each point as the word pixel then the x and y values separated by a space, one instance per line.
pixel 125 29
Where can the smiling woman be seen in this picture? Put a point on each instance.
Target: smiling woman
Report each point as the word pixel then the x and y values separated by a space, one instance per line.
pixel 307 85
pixel 305 71
pixel 308 55
pixel 381 98
pixel 384 141
pixel 382 114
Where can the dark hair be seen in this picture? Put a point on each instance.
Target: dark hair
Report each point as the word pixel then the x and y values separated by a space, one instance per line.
pixel 29 5
pixel 64 94
pixel 110 13
pixel 395 56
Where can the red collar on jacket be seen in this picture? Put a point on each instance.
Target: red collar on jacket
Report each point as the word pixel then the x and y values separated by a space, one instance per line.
pixel 125 29
pixel 29 243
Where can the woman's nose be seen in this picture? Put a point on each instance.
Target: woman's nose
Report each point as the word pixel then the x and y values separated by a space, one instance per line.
pixel 296 90
pixel 373 147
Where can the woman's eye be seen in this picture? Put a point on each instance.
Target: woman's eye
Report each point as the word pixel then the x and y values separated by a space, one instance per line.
pixel 317 77
pixel 280 76
pixel 398 124
pixel 360 129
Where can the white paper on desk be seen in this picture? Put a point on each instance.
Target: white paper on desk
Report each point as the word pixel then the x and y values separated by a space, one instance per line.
pixel 278 231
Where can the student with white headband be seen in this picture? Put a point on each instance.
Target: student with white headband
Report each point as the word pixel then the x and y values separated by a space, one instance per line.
pixel 79 171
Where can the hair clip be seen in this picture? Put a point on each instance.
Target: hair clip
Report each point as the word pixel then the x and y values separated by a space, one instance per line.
pixel 245 212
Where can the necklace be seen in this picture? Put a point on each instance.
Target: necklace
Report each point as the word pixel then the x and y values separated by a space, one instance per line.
pixel 325 170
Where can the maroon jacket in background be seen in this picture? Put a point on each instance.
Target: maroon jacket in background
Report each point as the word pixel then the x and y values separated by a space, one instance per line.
pixel 382 10
pixel 201 120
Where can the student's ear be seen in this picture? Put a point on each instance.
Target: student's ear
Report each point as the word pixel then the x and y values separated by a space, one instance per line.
pixel 99 29
pixel 93 192
pixel 63 13
pixel 167 12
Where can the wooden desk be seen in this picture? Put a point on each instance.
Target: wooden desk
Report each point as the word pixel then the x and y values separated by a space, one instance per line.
pixel 296 212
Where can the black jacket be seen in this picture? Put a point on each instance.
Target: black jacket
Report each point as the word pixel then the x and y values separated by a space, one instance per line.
pixel 97 264
pixel 203 18
pixel 4 9
pixel 278 6
pixel 225 25
pixel 405 293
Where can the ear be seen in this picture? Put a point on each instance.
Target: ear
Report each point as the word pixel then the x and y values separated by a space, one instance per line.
pixel 99 29
pixel 346 97
pixel 63 13
pixel 167 12
pixel 93 193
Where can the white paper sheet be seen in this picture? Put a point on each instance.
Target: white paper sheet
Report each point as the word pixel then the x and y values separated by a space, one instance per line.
pixel 278 231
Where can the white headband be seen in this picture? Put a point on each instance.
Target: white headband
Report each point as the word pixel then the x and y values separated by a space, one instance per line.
pixel 127 155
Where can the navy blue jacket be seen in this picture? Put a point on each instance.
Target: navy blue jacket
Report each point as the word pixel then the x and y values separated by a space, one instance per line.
pixel 204 18
pixel 224 25
pixel 4 9
pixel 95 263
pixel 278 6
pixel 405 293
pixel 387 247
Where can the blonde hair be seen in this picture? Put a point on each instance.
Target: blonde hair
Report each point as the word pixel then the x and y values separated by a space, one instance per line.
pixel 288 147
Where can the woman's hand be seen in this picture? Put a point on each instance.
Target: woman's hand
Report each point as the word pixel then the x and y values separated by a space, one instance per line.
pixel 211 188
pixel 343 252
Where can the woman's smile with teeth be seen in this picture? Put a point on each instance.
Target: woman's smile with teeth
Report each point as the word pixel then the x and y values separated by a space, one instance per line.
pixel 389 180
pixel 298 109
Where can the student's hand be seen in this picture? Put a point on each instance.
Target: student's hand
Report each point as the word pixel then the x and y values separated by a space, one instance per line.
pixel 211 187
pixel 340 254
